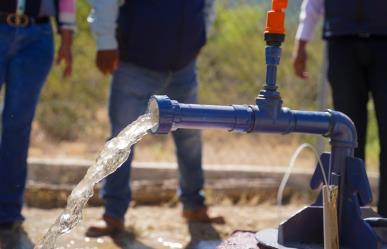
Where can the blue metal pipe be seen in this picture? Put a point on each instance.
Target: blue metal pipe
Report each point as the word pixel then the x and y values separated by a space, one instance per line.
pixel 273 56
pixel 269 117
pixel 172 115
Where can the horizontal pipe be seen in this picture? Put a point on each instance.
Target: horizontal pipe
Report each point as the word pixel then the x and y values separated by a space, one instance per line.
pixel 193 116
pixel 171 115
pixel 312 122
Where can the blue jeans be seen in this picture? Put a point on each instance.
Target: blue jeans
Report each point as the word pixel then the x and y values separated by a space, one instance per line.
pixel 26 56
pixel 130 91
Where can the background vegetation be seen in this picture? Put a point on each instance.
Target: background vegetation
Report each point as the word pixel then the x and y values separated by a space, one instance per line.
pixel 231 70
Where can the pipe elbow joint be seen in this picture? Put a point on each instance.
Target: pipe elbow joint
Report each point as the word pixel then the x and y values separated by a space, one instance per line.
pixel 343 131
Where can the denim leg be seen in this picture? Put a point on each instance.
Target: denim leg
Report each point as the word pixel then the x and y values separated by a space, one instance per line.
pixel 378 82
pixel 26 73
pixel 5 44
pixel 130 91
pixel 183 88
pixel 189 158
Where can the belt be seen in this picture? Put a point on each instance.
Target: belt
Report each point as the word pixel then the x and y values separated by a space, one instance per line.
pixel 21 21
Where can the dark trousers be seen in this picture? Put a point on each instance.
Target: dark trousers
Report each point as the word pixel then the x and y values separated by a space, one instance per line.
pixel 358 69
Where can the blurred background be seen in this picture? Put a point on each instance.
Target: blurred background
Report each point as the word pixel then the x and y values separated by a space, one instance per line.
pixel 72 117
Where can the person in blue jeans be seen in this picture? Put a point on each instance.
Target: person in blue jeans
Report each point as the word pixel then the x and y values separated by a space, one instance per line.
pixel 26 54
pixel 155 53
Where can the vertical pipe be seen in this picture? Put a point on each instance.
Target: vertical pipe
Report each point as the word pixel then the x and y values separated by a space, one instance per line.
pixel 322 96
pixel 273 57
pixel 271 77
pixel 338 175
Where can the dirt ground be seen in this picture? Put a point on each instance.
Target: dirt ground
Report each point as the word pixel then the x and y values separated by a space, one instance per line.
pixel 149 227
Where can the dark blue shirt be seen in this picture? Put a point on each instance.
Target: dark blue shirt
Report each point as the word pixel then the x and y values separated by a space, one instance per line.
pixel 352 17
pixel 161 35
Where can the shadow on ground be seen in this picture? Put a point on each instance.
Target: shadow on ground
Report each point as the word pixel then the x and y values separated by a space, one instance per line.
pixel 15 239
pixel 203 236
pixel 126 240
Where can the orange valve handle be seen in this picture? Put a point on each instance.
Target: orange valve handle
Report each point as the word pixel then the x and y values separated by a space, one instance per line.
pixel 275 21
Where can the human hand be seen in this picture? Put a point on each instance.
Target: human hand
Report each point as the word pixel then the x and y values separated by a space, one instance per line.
pixel 107 61
pixel 65 53
pixel 300 57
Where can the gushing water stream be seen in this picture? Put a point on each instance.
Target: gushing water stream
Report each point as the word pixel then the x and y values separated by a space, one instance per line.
pixel 113 155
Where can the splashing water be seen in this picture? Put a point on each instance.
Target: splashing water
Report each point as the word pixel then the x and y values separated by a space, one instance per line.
pixel 113 155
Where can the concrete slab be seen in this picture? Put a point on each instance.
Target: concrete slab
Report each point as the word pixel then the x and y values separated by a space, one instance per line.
pixel 70 171
pixel 51 180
